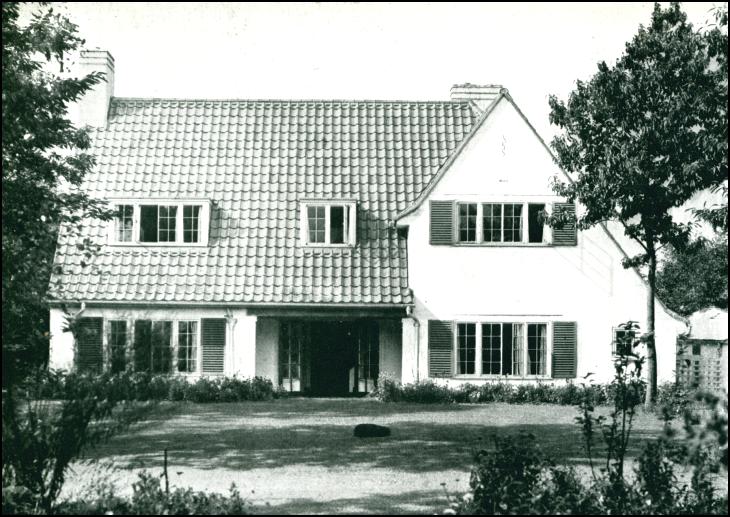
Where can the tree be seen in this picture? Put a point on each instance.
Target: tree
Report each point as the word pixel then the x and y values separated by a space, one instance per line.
pixel 643 136
pixel 44 161
pixel 695 277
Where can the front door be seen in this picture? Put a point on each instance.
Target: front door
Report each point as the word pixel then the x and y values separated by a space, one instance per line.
pixel 333 358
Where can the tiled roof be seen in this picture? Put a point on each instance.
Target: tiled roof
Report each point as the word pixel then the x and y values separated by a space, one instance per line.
pixel 255 160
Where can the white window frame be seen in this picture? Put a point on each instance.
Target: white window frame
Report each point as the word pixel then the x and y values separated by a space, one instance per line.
pixel 198 347
pixel 525 356
pixel 524 218
pixel 350 223
pixel 136 203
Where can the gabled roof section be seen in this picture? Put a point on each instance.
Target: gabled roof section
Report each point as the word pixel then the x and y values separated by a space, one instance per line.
pixel 255 159
pixel 452 158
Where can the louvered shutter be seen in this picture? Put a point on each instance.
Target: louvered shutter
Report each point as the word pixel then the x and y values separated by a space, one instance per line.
pixel 440 348
pixel 441 229
pixel 567 235
pixel 213 333
pixel 565 349
pixel 89 344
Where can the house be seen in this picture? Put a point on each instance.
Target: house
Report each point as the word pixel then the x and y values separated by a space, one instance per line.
pixel 320 243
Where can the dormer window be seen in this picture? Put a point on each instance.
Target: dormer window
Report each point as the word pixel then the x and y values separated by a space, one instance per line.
pixel 328 223
pixel 163 223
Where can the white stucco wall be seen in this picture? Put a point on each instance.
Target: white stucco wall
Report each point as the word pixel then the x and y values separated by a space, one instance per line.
pixel 240 353
pixel 506 162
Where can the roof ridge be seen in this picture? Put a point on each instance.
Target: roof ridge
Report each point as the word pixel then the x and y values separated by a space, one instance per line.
pixel 181 99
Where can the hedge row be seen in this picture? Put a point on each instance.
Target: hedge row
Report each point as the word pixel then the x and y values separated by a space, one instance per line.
pixel 429 392
pixel 142 386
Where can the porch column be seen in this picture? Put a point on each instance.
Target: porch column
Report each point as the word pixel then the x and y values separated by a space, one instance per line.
pixel 243 346
pixel 410 350
pixel 61 353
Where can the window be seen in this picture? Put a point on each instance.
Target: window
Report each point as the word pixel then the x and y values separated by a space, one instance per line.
pixel 169 223
pixel 536 348
pixel 623 342
pixel 468 222
pixel 123 223
pixel 483 223
pixel 328 224
pixel 191 223
pixel 117 345
pixel 315 215
pixel 466 339
pixel 512 222
pixel 535 222
pixel 187 346
pixel 492 222
pixel 506 349
pixel 152 346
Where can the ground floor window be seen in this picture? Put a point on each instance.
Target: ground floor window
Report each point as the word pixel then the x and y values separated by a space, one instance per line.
pixel 293 341
pixel 506 348
pixel 117 346
pixel 187 346
pixel 368 356
pixel 153 346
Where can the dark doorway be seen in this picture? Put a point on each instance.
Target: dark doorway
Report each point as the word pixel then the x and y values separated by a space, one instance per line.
pixel 334 355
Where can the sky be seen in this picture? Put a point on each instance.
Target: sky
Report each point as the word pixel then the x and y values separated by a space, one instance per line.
pixel 359 51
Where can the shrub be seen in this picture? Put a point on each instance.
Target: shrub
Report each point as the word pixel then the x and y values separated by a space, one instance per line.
pixel 143 386
pixel 150 498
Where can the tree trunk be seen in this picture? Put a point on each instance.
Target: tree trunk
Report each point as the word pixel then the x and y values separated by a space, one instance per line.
pixel 651 364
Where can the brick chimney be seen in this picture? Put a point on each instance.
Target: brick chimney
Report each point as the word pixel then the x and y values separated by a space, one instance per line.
pixel 93 107
pixel 482 95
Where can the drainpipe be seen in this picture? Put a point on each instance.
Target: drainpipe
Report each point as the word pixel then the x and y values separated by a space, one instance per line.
pixel 231 325
pixel 417 326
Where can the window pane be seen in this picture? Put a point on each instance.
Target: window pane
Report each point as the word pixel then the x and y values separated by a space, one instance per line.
pixel 142 353
pixel 507 348
pixel 148 223
pixel 315 217
pixel 536 348
pixel 167 217
pixel 187 346
pixel 117 345
pixel 512 222
pixel 518 343
pixel 191 223
pixel 535 225
pixel 492 348
pixel 468 222
pixel 466 340
pixel 160 344
pixel 337 224
pixel 492 222
pixel 123 223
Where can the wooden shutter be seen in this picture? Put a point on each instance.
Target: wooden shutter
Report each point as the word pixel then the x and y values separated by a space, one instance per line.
pixel 441 222
pixel 213 338
pixel 565 349
pixel 89 344
pixel 565 236
pixel 440 348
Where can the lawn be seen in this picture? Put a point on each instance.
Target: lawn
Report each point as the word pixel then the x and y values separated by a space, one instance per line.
pixel 299 455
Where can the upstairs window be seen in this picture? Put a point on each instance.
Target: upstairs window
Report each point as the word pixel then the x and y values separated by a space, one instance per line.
pixel 509 223
pixel 328 224
pixel 123 223
pixel 168 223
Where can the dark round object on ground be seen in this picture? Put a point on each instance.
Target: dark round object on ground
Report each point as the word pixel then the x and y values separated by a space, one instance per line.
pixel 371 431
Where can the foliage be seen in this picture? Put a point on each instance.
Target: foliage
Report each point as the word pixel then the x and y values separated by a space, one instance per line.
pixel 645 135
pixel 428 392
pixel 42 438
pixel 695 277
pixel 516 477
pixel 148 498
pixel 144 386
pixel 44 162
